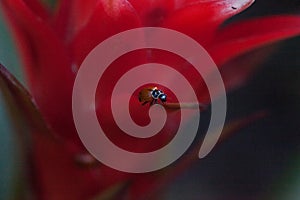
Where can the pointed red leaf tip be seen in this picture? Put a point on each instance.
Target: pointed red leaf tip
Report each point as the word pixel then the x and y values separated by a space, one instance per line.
pixel 200 19
pixel 109 18
pixel 241 37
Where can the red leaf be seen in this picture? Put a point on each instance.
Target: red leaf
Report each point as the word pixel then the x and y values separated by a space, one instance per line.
pixel 241 37
pixel 107 20
pixel 71 16
pixel 153 12
pixel 38 8
pixel 200 19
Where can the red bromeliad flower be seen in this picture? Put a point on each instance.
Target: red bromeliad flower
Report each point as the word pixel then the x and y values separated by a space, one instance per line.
pixel 54 43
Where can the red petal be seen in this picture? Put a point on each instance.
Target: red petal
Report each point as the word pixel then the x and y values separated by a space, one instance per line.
pixel 107 20
pixel 200 19
pixel 153 12
pixel 244 36
pixel 71 16
pixel 38 8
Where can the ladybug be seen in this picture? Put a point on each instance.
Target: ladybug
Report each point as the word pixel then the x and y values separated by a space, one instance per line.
pixel 151 95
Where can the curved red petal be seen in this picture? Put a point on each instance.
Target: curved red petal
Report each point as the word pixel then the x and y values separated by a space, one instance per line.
pixel 241 37
pixel 200 19
pixel 153 12
pixel 38 8
pixel 107 20
pixel 71 16
pixel 20 9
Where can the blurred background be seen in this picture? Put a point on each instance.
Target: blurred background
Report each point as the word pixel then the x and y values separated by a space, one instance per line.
pixel 262 161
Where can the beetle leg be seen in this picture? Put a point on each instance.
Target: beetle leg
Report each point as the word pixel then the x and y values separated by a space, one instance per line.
pixel 145 103
pixel 152 102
